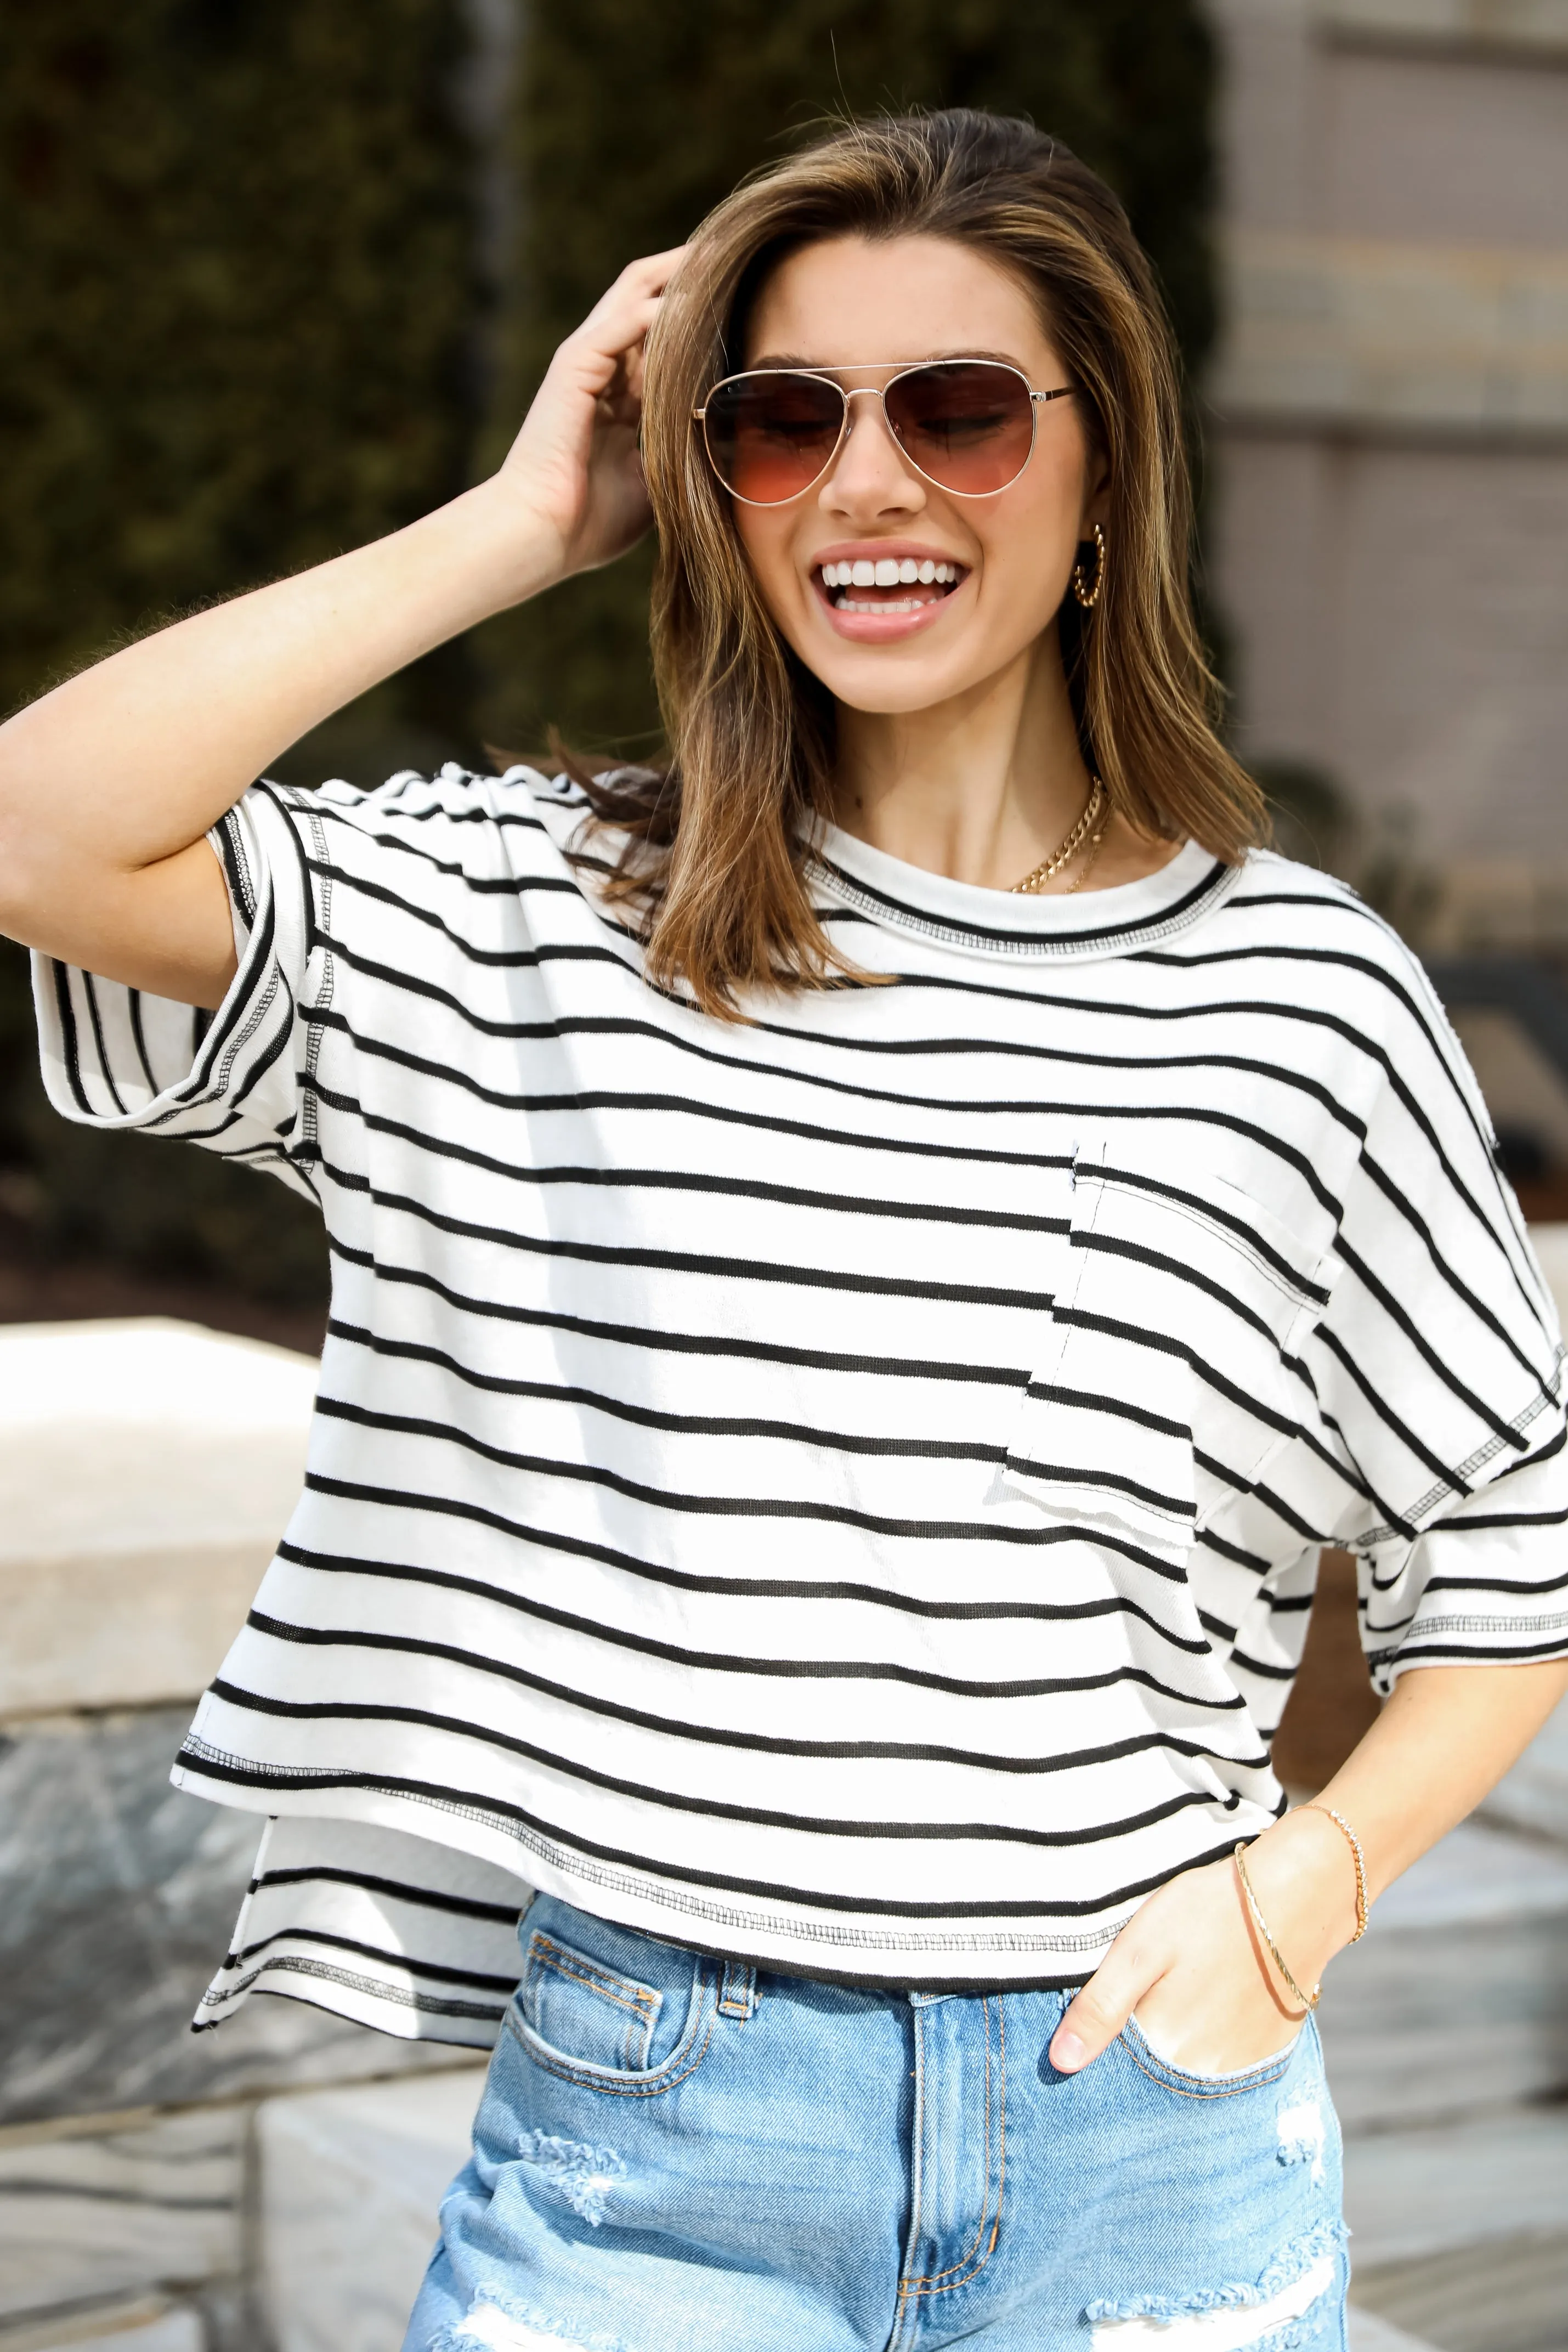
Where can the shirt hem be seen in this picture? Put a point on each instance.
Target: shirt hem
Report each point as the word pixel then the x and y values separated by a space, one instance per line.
pixel 817 1946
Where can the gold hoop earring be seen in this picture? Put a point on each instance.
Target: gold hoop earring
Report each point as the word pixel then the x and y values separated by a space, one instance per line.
pixel 1087 595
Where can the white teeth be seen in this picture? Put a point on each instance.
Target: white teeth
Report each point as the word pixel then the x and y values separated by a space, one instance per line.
pixel 855 604
pixel 888 571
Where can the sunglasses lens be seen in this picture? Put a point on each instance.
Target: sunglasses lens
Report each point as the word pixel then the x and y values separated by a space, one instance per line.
pixel 769 436
pixel 968 424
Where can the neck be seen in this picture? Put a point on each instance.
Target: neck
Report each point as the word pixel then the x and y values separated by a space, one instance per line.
pixel 980 788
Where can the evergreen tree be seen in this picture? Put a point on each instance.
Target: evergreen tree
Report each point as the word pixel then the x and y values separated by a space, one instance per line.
pixel 235 299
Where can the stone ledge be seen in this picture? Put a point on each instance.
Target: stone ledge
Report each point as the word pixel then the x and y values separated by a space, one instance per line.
pixel 148 1471
pixel 1330 332
pixel 1528 28
pixel 351 2185
pixel 121 2211
pixel 118 1894
pixel 1369 2333
pixel 146 2323
pixel 1413 2195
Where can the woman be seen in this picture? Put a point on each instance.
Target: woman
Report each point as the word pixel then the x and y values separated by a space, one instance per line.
pixel 866 1266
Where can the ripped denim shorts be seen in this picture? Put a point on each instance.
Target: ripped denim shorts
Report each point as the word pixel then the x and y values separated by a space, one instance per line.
pixel 676 2154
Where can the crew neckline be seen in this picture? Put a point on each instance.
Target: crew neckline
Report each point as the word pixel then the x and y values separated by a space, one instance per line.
pixel 978 921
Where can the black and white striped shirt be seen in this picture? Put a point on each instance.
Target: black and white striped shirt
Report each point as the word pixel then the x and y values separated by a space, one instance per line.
pixel 843 1490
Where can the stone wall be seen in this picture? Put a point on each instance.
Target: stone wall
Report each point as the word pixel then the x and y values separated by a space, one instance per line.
pixel 146 1470
pixel 1390 414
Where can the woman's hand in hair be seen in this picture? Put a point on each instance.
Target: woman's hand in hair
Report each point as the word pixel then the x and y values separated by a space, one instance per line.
pixel 574 468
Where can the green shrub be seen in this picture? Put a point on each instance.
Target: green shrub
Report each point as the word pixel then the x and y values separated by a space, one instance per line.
pixel 235 300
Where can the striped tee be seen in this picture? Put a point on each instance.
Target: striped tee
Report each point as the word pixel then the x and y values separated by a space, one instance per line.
pixel 845 1490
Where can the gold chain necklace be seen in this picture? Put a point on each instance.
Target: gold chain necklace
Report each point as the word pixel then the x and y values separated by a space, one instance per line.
pixel 1085 829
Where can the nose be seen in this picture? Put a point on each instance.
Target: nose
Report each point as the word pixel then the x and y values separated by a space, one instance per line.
pixel 872 476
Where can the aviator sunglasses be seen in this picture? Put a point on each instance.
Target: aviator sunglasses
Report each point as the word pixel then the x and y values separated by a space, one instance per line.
pixel 968 425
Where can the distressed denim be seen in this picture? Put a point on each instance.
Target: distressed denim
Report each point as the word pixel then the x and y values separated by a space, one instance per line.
pixel 674 2154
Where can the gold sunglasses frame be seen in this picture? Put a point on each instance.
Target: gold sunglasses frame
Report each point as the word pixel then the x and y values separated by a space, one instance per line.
pixel 873 392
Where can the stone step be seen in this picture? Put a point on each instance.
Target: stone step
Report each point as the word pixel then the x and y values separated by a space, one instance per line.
pixel 1511 2296
pixel 350 2184
pixel 1410 2196
pixel 100 2217
pixel 1454 1999
pixel 118 1894
pixel 1459 2231
pixel 150 2324
pixel 147 1471
pixel 1369 2332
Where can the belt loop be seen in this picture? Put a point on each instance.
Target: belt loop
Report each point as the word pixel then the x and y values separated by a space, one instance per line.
pixel 737 1995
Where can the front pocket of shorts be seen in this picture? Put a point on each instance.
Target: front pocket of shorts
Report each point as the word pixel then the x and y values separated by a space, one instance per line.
pixel 1164 1384
pixel 1204 2086
pixel 588 2023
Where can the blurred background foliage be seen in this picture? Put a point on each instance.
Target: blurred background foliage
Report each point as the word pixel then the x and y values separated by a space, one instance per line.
pixel 235 304
pixel 274 281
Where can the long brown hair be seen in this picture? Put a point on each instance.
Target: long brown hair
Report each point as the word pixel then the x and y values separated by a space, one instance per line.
pixel 713 862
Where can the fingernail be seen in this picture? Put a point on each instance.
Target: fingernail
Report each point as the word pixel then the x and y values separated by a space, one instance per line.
pixel 1068 2054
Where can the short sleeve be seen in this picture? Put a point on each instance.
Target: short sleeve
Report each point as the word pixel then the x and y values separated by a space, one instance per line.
pixel 114 1057
pixel 1485 1583
pixel 1438 1372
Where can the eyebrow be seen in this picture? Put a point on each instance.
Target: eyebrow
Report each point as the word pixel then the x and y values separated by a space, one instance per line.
pixel 925 359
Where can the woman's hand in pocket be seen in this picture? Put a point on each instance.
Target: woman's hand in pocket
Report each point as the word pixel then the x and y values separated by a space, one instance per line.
pixel 1207 1995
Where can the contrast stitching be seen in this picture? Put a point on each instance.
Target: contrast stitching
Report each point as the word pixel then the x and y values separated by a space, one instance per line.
pixel 1258 2080
pixel 1141 935
pixel 322 916
pixel 624 1989
pixel 664 1896
pixel 637 2002
pixel 919 2285
pixel 1001 2151
pixel 1455 1481
pixel 588 2082
pixel 917 2181
pixel 934 2284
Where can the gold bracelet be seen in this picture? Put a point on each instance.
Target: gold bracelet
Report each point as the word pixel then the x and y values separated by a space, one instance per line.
pixel 1341 1822
pixel 1309 2000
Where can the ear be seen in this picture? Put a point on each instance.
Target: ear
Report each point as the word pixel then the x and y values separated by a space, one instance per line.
pixel 1096 507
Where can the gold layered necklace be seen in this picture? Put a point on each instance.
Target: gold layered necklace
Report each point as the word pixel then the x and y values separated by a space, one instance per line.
pixel 1090 829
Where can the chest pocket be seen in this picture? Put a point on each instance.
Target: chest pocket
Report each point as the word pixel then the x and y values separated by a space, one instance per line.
pixel 1167 1381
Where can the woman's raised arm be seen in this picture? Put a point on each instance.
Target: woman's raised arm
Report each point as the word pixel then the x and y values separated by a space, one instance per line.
pixel 108 784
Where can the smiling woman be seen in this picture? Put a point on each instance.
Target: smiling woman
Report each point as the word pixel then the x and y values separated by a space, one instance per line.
pixel 1030 435
pixel 867 1264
